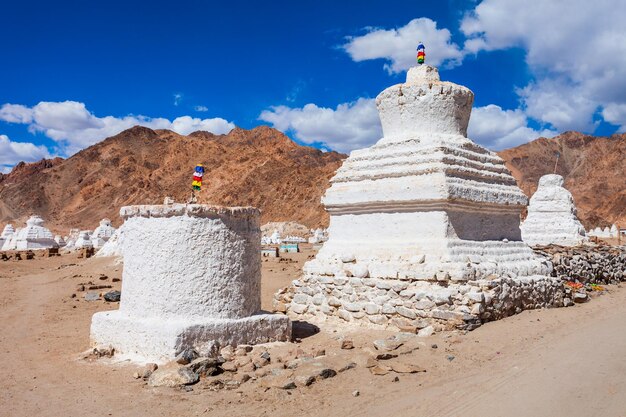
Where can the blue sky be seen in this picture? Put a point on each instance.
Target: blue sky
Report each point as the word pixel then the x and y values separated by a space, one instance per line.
pixel 73 73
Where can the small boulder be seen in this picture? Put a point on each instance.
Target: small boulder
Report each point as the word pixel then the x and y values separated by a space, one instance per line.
pixel 347 344
pixel 112 296
pixel 172 377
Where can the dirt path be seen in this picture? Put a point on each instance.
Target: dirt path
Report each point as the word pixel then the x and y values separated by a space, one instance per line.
pixel 563 362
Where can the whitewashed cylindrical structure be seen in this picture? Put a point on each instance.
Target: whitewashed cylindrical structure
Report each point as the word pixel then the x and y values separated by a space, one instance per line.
pixel 191 261
pixel 192 277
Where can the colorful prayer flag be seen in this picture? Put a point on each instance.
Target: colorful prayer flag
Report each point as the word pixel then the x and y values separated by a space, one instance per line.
pixel 197 177
pixel 421 53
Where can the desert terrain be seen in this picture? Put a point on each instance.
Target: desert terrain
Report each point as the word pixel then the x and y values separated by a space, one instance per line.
pixel 566 361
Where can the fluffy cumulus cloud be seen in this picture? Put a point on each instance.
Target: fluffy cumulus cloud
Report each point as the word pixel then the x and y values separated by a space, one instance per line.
pixel 348 126
pixel 497 129
pixel 74 127
pixel 397 46
pixel 576 50
pixel 13 152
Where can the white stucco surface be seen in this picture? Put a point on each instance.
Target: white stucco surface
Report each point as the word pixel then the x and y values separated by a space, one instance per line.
pixel 7 232
pixel 191 277
pixel 552 216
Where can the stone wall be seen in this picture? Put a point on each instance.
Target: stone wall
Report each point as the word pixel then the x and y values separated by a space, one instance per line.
pixel 410 305
pixel 600 264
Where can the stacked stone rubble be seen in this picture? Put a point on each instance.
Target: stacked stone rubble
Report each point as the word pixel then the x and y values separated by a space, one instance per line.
pixel 600 264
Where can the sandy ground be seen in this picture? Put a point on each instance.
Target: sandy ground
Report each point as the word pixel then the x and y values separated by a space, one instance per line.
pixel 561 362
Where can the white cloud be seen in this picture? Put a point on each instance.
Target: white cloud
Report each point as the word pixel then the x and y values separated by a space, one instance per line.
pixel 398 46
pixel 14 152
pixel 349 126
pixel 498 129
pixel 201 108
pixel 178 98
pixel 576 51
pixel 616 114
pixel 74 127
pixel 16 113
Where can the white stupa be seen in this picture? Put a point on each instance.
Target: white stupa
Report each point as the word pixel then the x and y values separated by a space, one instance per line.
pixel 104 231
pixel 319 236
pixel 418 215
pixel 34 236
pixel 70 240
pixel 191 279
pixel 7 232
pixel 113 246
pixel 552 216
pixel 84 240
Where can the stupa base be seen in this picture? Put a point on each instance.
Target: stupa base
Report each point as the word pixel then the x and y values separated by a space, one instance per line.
pixel 410 305
pixel 159 340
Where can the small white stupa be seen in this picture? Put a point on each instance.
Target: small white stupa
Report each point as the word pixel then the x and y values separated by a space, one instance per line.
pixel 319 236
pixel 104 231
pixel 70 240
pixel 113 246
pixel 552 216
pixel 7 232
pixel 35 236
pixel 84 240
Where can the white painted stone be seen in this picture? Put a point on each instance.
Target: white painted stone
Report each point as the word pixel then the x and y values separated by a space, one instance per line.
pixel 191 277
pixel 34 236
pixel 552 216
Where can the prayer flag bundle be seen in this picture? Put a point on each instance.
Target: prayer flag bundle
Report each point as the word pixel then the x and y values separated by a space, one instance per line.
pixel 197 177
pixel 421 53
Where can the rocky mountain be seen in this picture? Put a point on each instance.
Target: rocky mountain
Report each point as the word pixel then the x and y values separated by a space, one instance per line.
pixel 264 168
pixel 259 167
pixel 594 170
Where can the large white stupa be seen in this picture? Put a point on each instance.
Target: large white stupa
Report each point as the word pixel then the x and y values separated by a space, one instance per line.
pixel 552 216
pixel 421 219
pixel 34 236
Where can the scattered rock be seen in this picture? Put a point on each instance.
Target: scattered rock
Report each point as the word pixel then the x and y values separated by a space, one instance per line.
pixel 380 370
pixel 426 331
pixel 406 368
pixel 387 344
pixel 116 280
pixel 204 366
pixel 371 362
pixel 395 379
pixel 149 369
pixel 580 297
pixel 229 367
pixel 385 356
pixel 112 296
pixel 450 358
pixel 103 277
pixel 321 352
pixel 347 344
pixel 356 393
pixel 92 296
pixel 172 377
pixel 186 356
pixel 304 380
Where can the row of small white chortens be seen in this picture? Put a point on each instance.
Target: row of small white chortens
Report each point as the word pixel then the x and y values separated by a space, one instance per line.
pixel 36 236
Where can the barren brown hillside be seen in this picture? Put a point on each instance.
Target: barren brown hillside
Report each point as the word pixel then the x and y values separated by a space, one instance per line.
pixel 594 169
pixel 259 167
pixel 264 168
